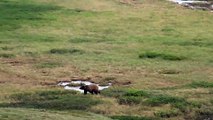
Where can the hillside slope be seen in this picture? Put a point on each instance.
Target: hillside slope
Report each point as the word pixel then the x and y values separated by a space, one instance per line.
pixel 158 55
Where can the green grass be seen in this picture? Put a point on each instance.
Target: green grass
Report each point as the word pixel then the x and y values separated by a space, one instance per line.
pixel 167 114
pixel 201 84
pixel 35 114
pixel 54 100
pixel 15 13
pixel 137 93
pixel 165 99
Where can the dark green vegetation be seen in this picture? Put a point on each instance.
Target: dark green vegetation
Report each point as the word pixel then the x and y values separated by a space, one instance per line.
pixel 5 55
pixel 56 100
pixel 167 114
pixel 149 98
pixel 49 64
pixel 131 118
pixel 152 55
pixel 201 84
pixel 157 55
pixel 36 114
pixel 16 13
pixel 65 51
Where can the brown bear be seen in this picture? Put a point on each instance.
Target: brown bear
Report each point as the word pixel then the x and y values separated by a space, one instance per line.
pixel 90 88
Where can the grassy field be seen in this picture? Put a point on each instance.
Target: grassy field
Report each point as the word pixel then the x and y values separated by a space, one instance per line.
pixel 164 51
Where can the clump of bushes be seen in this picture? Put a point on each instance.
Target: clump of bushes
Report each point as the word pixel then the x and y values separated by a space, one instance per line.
pixel 164 56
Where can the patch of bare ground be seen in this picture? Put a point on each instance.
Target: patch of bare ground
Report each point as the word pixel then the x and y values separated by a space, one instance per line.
pixel 19 71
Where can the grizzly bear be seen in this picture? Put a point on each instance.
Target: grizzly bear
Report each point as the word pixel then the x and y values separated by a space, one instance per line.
pixel 90 88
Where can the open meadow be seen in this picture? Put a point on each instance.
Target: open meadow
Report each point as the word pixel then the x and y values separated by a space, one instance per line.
pixel 157 55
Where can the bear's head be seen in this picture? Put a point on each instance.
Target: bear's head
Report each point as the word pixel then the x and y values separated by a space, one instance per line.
pixel 82 87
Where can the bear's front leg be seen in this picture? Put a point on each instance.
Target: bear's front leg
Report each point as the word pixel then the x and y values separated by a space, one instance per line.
pixel 85 92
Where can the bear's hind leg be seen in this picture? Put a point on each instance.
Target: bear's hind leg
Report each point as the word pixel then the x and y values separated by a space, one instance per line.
pixel 96 92
pixel 91 92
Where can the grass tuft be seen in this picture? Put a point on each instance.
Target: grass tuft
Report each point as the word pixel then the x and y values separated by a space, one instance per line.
pixel 49 65
pixel 164 99
pixel 137 93
pixel 169 72
pixel 7 48
pixel 132 118
pixel 65 51
pixel 167 113
pixel 129 100
pixel 164 56
pixel 201 84
pixel 5 55
pixel 113 92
